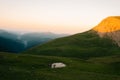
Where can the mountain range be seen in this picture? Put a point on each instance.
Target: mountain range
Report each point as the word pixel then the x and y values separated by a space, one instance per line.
pixel 102 40
pixel 12 42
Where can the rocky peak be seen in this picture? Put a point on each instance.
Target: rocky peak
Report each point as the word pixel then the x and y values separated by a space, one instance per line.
pixel 110 27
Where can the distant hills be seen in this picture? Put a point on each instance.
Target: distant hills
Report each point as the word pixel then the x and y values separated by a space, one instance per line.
pixel 12 42
pixel 33 39
pixel 9 42
pixel 87 44
pixel 10 45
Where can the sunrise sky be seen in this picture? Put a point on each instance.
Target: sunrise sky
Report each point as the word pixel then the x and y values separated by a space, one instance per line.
pixel 58 16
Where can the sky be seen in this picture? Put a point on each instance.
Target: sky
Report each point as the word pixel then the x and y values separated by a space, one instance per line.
pixel 58 16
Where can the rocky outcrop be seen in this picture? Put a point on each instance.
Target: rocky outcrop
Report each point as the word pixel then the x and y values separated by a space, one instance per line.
pixel 109 27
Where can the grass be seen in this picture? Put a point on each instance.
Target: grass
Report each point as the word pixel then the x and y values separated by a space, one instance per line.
pixel 36 67
pixel 84 45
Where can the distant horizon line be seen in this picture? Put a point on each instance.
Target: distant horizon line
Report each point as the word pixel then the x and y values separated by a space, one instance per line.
pixel 24 32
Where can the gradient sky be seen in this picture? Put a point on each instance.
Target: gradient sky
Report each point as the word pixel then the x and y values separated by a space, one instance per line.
pixel 58 16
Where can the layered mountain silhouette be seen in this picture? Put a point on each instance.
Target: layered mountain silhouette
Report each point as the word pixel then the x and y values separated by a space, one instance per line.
pixel 12 42
pixel 33 39
pixel 102 40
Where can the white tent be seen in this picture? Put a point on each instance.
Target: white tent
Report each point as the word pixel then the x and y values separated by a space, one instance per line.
pixel 58 65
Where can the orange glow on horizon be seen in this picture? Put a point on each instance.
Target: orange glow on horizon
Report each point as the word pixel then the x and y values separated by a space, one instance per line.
pixel 57 16
pixel 39 27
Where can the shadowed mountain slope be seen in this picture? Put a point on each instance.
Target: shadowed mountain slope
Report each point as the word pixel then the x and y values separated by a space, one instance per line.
pixel 82 45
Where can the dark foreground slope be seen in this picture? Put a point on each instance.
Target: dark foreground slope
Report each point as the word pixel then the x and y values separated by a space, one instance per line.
pixel 31 67
pixel 83 45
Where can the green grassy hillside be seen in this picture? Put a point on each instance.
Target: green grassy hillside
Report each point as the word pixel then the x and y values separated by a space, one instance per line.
pixel 83 45
pixel 33 67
